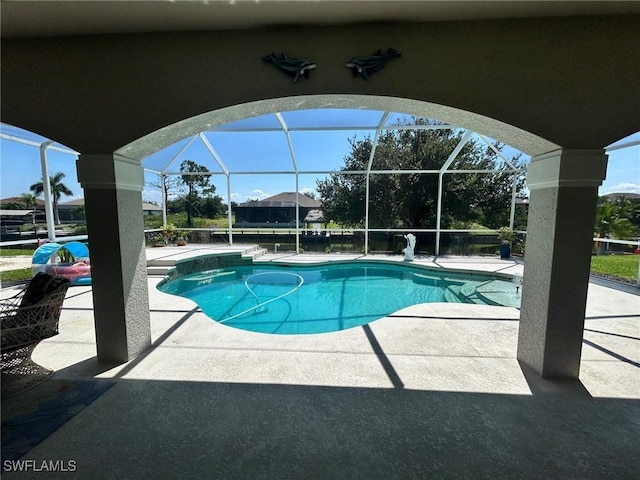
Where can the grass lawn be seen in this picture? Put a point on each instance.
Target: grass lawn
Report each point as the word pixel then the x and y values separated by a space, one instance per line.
pixel 14 252
pixel 16 275
pixel 620 267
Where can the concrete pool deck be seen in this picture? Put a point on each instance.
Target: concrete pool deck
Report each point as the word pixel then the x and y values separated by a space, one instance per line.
pixel 432 391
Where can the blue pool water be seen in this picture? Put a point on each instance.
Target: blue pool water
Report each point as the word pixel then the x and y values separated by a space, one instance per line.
pixel 298 299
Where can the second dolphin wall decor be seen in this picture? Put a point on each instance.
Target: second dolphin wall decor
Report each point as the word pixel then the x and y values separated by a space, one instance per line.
pixel 366 65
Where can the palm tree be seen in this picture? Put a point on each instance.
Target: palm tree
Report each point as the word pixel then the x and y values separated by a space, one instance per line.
pixel 611 221
pixel 57 190
pixel 30 200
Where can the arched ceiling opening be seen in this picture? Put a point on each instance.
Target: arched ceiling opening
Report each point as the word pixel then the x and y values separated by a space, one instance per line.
pixel 517 138
pixel 310 141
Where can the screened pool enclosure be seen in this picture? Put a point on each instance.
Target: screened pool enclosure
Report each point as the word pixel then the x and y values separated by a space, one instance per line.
pixel 377 175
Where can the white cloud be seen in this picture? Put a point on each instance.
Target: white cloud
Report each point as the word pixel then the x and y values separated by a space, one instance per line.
pixel 238 197
pixel 307 190
pixel 259 194
pixel 151 195
pixel 622 187
pixel 243 197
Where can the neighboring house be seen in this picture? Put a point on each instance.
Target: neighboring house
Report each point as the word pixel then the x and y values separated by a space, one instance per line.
pixel 151 209
pixel 278 211
pixel 12 220
pixel 72 211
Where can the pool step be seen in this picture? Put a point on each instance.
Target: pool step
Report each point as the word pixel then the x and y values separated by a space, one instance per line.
pixel 451 296
pixel 499 292
pixel 167 257
pixel 492 292
pixel 468 292
pixel 162 271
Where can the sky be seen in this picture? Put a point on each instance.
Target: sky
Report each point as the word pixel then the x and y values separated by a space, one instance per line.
pixel 264 151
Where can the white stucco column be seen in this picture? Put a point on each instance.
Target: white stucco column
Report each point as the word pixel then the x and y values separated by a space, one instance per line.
pixel 564 191
pixel 113 204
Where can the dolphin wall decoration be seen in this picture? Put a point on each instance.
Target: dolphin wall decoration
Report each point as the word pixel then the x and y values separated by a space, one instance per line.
pixel 368 64
pixel 294 67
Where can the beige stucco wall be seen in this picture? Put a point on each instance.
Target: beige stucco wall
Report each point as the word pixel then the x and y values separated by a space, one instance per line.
pixel 571 81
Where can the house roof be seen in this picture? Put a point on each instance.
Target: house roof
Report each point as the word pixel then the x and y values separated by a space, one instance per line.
pixel 18 213
pixel 79 202
pixel 151 206
pixel 284 199
pixel 19 200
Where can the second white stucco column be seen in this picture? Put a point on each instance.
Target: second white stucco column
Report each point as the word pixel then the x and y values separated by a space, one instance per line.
pixel 564 192
pixel 113 205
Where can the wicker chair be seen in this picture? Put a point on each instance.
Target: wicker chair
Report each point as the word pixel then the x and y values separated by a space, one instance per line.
pixel 25 319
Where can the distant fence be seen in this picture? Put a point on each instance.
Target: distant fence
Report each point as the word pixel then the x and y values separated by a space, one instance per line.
pixel 456 242
pixel 459 242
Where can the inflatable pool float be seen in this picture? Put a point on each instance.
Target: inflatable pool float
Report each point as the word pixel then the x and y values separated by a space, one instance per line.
pixel 70 260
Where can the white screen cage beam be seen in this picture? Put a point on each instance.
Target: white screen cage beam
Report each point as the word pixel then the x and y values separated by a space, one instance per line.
pixel 374 145
pixel 292 153
pixel 335 128
pixel 497 152
pixel 177 155
pixel 456 151
pixel 224 168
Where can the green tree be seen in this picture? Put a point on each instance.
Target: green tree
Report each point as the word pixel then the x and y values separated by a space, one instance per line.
pixel 57 190
pixel 612 220
pixel 30 200
pixel 212 207
pixel 196 179
pixel 11 206
pixel 410 199
pixel 176 205
pixel 628 207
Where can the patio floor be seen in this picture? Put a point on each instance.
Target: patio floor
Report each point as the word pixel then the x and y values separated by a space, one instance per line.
pixel 432 391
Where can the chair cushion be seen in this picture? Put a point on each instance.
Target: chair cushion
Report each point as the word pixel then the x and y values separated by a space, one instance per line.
pixel 40 286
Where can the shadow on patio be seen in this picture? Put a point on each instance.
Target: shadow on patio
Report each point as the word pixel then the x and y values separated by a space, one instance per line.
pixel 183 429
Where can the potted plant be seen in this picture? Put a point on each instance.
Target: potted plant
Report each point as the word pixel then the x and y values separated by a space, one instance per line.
pixel 156 240
pixel 168 230
pixel 506 235
pixel 181 238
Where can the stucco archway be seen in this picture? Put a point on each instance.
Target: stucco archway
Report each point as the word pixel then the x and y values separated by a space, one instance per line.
pixel 524 141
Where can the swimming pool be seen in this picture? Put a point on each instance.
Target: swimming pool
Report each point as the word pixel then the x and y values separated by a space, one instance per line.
pixel 317 298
